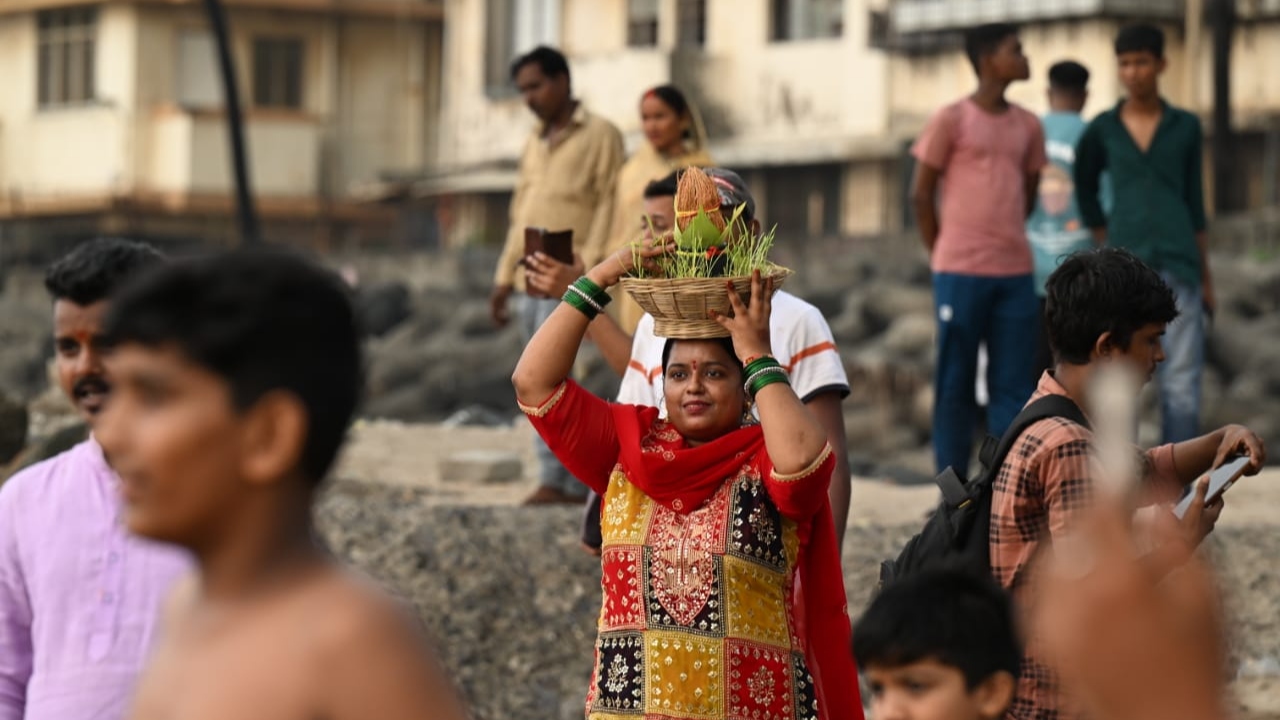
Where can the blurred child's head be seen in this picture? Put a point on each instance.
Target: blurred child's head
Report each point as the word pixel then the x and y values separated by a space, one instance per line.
pixel 237 376
pixel 1068 86
pixel 939 645
pixel 1140 55
pixel 995 52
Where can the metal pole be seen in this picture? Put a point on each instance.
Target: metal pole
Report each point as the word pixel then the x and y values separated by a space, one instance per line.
pixel 1223 20
pixel 246 212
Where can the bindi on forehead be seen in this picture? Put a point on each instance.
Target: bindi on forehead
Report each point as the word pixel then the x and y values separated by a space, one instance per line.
pixel 694 365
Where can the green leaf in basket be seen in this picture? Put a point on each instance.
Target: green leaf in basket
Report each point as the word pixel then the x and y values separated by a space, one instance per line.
pixel 700 234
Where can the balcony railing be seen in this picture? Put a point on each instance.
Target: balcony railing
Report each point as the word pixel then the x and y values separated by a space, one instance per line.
pixel 1258 9
pixel 931 16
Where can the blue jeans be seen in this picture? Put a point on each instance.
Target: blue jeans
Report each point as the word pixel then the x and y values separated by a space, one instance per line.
pixel 1178 377
pixel 531 313
pixel 1002 312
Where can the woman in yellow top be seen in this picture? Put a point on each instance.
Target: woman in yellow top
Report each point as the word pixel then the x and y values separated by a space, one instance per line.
pixel 674 139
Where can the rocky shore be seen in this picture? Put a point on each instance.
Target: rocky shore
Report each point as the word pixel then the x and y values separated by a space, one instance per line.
pixel 511 600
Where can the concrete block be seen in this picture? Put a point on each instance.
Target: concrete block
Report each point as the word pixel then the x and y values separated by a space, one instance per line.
pixel 482 466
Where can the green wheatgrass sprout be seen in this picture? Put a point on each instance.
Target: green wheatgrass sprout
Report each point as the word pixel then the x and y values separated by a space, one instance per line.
pixel 703 251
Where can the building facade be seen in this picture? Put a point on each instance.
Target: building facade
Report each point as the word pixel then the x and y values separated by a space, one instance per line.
pixel 112 119
pixel 791 94
pixel 374 121
pixel 814 101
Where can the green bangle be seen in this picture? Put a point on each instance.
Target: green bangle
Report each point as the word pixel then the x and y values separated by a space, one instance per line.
pixel 768 379
pixel 581 303
pixel 589 286
pixel 765 376
pixel 592 291
pixel 759 364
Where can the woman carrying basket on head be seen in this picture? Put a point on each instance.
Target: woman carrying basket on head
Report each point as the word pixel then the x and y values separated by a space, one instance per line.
pixel 723 595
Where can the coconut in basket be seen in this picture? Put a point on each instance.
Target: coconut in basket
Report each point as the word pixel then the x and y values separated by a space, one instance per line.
pixel 710 248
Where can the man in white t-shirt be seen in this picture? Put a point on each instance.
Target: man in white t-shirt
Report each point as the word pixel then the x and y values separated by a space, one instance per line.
pixel 802 344
pixel 801 339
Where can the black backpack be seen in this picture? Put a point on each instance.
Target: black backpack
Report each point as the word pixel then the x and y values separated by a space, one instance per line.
pixel 958 532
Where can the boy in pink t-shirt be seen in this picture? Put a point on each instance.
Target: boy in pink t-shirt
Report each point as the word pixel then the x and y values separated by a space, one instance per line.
pixel 985 155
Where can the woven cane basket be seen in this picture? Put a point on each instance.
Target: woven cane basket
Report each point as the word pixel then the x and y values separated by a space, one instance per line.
pixel 679 306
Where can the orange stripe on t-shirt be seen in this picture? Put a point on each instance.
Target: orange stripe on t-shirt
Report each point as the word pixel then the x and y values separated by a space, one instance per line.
pixel 645 372
pixel 810 352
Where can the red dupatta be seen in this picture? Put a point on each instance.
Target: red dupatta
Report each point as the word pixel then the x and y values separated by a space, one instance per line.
pixel 686 478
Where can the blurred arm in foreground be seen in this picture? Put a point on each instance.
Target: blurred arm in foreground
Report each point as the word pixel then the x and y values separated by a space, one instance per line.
pixel 1126 644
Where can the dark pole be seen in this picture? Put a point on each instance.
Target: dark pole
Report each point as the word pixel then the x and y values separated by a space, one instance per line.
pixel 1222 17
pixel 246 213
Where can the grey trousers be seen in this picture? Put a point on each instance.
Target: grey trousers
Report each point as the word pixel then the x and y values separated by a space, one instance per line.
pixel 531 312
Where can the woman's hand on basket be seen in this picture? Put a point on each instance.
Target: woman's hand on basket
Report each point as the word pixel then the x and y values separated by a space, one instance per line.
pixel 622 262
pixel 749 326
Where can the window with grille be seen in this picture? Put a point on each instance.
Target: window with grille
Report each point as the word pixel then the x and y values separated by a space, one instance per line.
pixel 513 27
pixel 807 19
pixel 691 23
pixel 198 85
pixel 499 44
pixel 277 73
pixel 878 29
pixel 916 16
pixel 642 23
pixel 804 200
pixel 66 62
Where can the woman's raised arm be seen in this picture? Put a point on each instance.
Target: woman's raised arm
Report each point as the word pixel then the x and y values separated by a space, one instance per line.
pixel 793 437
pixel 548 358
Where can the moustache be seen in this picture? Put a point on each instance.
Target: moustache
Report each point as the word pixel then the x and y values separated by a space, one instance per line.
pixel 91 384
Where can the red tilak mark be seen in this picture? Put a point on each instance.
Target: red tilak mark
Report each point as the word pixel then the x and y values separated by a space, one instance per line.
pixel 695 366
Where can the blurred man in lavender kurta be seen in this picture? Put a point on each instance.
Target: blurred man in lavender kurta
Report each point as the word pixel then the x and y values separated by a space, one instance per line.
pixel 79 596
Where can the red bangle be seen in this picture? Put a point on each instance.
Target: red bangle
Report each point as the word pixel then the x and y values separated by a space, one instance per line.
pixel 754 358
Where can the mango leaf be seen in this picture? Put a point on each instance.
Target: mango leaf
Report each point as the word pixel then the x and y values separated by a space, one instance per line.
pixel 700 234
pixel 677 234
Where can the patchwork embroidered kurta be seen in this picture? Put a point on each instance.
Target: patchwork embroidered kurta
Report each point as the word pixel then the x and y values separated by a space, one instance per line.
pixel 699 613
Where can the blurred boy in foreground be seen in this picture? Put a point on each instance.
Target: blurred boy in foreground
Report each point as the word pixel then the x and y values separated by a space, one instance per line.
pixel 236 378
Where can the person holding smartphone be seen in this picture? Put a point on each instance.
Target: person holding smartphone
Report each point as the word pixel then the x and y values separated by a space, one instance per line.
pixel 568 171
pixel 1104 310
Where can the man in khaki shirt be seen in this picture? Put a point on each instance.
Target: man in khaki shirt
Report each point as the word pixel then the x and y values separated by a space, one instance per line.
pixel 567 174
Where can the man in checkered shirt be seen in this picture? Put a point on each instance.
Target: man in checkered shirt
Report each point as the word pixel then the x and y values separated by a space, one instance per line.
pixel 1103 306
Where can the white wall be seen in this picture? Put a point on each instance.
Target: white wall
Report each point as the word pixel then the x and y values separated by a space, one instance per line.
pixel 474 128
pixel 382 109
pixel 820 96
pixel 66 151
pixel 189 155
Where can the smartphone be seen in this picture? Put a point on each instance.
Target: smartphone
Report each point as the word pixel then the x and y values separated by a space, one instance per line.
pixel 1220 481
pixel 557 245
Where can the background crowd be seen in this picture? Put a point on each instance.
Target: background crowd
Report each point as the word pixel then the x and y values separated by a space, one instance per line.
pixel 219 390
